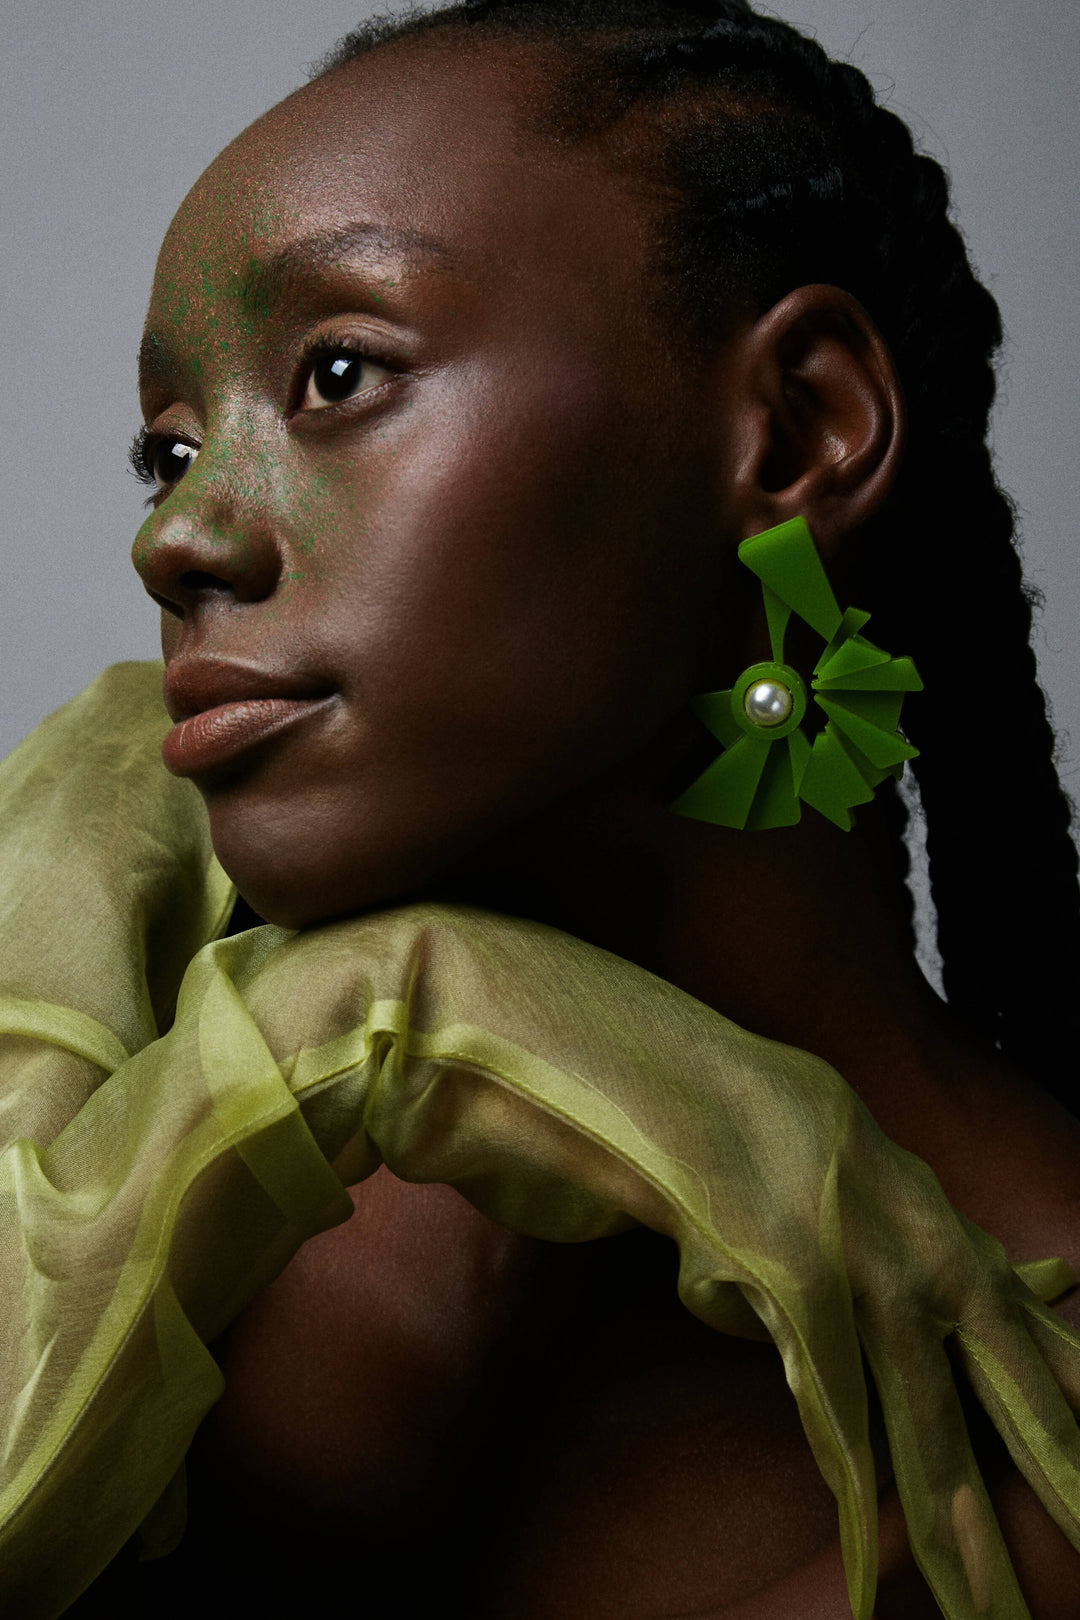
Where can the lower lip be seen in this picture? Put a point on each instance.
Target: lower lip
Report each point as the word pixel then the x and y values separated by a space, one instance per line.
pixel 216 736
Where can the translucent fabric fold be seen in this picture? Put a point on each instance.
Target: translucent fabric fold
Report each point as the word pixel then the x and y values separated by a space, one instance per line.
pixel 175 1166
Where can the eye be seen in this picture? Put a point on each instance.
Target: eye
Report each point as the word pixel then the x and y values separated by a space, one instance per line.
pixel 338 374
pixel 160 460
pixel 169 460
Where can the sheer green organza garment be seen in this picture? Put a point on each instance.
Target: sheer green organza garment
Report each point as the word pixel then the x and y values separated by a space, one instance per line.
pixel 151 1183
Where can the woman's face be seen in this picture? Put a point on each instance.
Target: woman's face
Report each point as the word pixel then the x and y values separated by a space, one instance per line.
pixel 453 490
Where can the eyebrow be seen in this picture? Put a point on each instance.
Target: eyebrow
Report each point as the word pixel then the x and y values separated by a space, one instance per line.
pixel 276 274
pixel 157 362
pixel 325 250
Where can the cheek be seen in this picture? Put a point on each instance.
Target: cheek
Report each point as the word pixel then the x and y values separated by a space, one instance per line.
pixel 512 566
pixel 495 596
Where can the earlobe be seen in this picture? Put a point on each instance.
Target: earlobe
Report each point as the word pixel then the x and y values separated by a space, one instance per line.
pixel 828 420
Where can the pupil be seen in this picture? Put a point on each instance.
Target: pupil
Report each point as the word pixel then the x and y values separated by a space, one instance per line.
pixel 172 460
pixel 336 375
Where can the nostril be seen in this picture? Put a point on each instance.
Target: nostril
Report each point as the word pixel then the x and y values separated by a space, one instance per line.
pixel 164 603
pixel 198 582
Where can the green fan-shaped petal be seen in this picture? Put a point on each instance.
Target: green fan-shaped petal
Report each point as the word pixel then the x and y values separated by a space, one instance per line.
pixel 881 709
pixel 713 709
pixel 896 675
pixel 852 622
pixel 777 614
pixel 776 802
pixel 786 560
pixel 882 747
pixel 853 656
pixel 799 749
pixel 724 793
pixel 832 781
pixel 873 775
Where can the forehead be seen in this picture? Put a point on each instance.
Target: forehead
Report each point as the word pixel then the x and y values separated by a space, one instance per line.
pixel 417 152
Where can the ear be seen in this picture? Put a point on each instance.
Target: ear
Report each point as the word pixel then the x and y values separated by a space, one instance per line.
pixel 818 423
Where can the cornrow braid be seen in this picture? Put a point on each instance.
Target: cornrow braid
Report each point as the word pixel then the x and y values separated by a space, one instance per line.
pixel 786 171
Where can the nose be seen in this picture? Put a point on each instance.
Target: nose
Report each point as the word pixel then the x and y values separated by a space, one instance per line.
pixel 204 544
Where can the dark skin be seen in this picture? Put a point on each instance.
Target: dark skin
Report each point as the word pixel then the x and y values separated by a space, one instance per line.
pixel 507 561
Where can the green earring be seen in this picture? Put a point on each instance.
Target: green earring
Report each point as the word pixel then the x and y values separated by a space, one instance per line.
pixel 768 764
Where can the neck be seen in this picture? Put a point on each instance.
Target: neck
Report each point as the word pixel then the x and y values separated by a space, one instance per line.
pixel 799 934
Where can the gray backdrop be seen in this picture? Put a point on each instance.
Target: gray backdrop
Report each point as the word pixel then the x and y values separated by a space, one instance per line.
pixel 111 109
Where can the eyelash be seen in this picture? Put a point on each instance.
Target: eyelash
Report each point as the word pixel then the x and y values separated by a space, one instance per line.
pixel 139 457
pixel 145 444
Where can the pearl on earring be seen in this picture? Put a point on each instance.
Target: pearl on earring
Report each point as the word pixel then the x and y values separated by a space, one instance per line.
pixel 768 704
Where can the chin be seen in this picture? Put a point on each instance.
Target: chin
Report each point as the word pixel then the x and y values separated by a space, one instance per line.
pixel 289 899
pixel 282 913
pixel 319 875
pixel 311 854
pixel 296 908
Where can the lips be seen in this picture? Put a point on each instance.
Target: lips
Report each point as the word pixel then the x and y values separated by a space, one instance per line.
pixel 224 709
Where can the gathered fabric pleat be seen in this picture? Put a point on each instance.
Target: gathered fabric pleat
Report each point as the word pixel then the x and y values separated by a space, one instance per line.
pixel 179 1111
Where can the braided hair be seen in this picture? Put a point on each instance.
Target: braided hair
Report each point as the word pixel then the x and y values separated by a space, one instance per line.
pixel 785 172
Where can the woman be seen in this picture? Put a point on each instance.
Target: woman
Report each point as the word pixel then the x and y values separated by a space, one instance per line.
pixel 468 371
